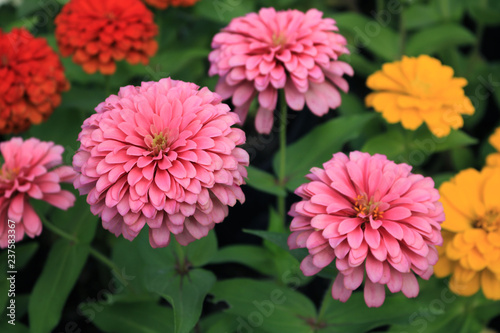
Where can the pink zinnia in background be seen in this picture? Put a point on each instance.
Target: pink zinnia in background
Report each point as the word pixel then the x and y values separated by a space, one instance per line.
pixel 372 215
pixel 162 154
pixel 31 170
pixel 258 54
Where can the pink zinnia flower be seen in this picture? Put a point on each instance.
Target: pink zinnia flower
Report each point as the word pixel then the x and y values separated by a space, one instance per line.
pixel 31 169
pixel 261 53
pixel 370 214
pixel 162 154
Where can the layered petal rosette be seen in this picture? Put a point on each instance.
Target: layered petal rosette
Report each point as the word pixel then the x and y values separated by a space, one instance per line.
pixel 32 81
pixel 98 33
pixel 471 232
pixel 417 90
pixel 162 154
pixel 370 215
pixel 260 53
pixel 31 169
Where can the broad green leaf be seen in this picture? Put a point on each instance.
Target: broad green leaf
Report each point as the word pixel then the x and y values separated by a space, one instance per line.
pixel 61 271
pixel 18 328
pixel 253 256
pixel 420 16
pixel 391 144
pixel 365 32
pixel 326 139
pixel 430 144
pixel 185 293
pixel 361 65
pixel 449 10
pixel 135 317
pixel 485 11
pixel 351 105
pixel 264 181
pixel 434 39
pixel 201 251
pixel 223 10
pixel 222 322
pixel 267 305
pixel 23 254
pixel 355 316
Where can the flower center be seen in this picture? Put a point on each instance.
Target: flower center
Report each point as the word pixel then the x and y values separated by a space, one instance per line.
pixel 279 39
pixel 365 208
pixel 489 222
pixel 8 174
pixel 159 143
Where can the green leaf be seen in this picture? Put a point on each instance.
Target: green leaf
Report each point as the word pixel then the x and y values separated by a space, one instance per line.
pixel 361 65
pixel 253 256
pixel 354 315
pixel 442 177
pixel 351 105
pixel 391 144
pixel 267 305
pixel 264 182
pixel 449 10
pixel 223 10
pixel 368 33
pixel 420 16
pixel 61 271
pixel 201 251
pixel 135 317
pixel 430 144
pixel 185 293
pixel 326 139
pixel 485 11
pixel 222 322
pixel 18 328
pixel 434 39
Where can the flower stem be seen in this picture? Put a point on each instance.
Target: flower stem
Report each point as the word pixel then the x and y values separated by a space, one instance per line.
pixel 96 254
pixel 282 170
pixel 57 231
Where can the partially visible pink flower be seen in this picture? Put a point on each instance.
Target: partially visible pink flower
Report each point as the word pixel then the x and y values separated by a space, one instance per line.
pixel 162 154
pixel 260 53
pixel 31 170
pixel 372 215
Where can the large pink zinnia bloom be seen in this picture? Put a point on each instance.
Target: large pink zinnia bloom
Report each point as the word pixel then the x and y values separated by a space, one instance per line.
pixel 162 154
pixel 260 53
pixel 370 214
pixel 31 170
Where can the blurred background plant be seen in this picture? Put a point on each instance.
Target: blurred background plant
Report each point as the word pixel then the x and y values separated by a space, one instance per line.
pixel 255 285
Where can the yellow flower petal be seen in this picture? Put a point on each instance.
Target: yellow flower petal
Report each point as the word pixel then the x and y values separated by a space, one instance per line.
pixel 476 260
pixel 443 267
pixel 420 84
pixel 464 282
pixel 411 119
pixel 490 195
pixel 490 283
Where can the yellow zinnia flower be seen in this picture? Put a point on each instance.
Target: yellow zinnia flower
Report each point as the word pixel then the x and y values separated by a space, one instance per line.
pixel 420 89
pixel 471 233
pixel 493 159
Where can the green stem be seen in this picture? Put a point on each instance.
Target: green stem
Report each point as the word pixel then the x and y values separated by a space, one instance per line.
pixel 282 170
pixel 96 254
pixel 57 231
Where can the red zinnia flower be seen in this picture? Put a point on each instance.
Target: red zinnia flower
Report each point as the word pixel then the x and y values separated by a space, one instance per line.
pixel 32 79
pixel 99 32
pixel 162 4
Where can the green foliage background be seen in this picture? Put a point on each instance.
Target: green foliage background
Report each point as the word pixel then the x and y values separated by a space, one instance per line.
pixel 202 287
